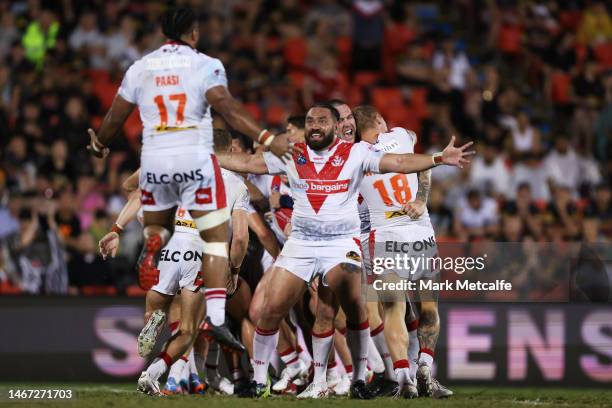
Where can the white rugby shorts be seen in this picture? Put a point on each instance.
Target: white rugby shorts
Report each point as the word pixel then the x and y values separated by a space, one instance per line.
pixel 192 181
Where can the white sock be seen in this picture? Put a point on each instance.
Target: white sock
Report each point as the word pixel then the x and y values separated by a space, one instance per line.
pixel 358 337
pixel 375 362
pixel 159 366
pixel 426 357
pixel 413 352
pixel 378 336
pixel 290 358
pixel 264 344
pixel 402 372
pixel 322 344
pixel 176 370
pixel 304 356
pixel 332 370
pixel 215 304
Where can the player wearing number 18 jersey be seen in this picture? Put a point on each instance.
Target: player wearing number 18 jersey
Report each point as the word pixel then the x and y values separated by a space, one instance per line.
pixel 398 213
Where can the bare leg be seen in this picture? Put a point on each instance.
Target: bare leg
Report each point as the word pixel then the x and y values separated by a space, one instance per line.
pixel 278 299
pixel 345 281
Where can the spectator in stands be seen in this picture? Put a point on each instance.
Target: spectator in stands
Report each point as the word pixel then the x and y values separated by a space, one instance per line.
pixel 600 209
pixel 562 164
pixel 87 40
pixel 526 210
pixel 524 137
pixel 596 25
pixel 368 32
pixel 476 216
pixel 589 96
pixel 8 34
pixel 488 172
pixel 40 36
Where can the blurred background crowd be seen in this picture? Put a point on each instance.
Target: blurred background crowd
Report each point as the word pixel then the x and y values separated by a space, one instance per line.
pixel 529 81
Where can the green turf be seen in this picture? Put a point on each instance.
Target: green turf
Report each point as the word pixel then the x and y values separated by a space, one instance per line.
pixel 124 396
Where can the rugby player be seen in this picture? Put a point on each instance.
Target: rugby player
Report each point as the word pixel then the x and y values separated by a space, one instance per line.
pixel 179 267
pixel 324 177
pixel 398 212
pixel 174 88
pixel 328 315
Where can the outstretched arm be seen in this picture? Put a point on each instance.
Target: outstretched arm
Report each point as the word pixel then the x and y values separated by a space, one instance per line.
pixel 116 116
pixel 413 163
pixel 243 162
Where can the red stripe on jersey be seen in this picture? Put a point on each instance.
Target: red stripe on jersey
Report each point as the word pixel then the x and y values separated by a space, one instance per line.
pixel 219 186
pixel 276 182
pixel 330 171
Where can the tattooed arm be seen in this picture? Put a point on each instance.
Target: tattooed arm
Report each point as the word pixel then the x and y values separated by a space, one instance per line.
pixel 417 207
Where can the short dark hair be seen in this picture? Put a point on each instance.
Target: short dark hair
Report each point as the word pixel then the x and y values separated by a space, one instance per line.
pixel 246 142
pixel 222 139
pixel 299 121
pixel 337 102
pixel 177 21
pixel 328 106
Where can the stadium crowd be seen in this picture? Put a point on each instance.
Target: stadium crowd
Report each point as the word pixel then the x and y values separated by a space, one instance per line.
pixel 529 81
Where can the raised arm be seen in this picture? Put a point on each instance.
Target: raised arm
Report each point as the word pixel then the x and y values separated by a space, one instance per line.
pixel 413 162
pixel 116 116
pixel 243 162
pixel 241 120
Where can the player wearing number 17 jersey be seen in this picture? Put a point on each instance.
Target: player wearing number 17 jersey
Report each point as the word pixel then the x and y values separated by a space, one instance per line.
pixel 174 88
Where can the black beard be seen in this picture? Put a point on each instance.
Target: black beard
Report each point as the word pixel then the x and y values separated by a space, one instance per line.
pixel 320 144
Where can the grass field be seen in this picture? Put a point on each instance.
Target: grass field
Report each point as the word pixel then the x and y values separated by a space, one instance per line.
pixel 124 396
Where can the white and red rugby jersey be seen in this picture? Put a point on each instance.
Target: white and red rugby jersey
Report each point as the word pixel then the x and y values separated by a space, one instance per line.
pixel 324 185
pixel 169 86
pixel 385 194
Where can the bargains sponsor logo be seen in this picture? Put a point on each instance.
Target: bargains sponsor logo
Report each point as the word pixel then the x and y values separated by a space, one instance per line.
pixel 323 186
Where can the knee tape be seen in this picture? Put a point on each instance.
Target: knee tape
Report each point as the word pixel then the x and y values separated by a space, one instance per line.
pixel 215 249
pixel 212 219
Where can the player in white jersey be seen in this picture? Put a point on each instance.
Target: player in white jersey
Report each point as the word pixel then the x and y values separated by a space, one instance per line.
pixel 324 177
pixel 398 213
pixel 174 88
pixel 179 268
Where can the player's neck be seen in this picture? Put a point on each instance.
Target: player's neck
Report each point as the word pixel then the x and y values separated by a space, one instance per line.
pixel 369 135
pixel 190 44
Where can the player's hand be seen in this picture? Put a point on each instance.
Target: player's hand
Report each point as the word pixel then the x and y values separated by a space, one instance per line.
pixel 109 244
pixel 96 148
pixel 456 156
pixel 414 209
pixel 282 147
pixel 232 281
